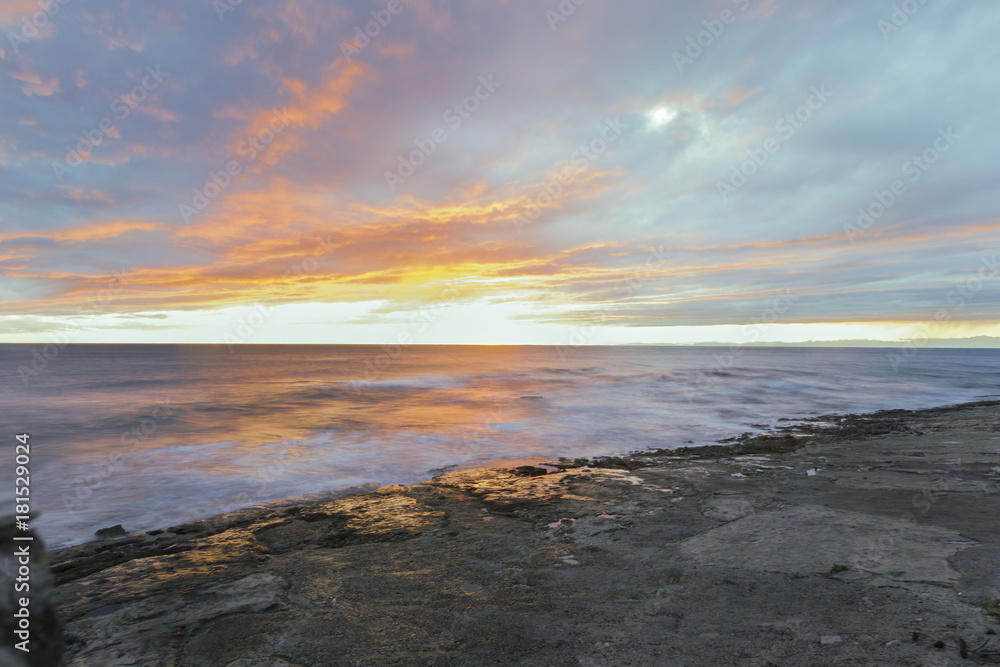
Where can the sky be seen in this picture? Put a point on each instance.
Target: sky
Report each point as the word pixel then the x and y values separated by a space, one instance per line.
pixel 499 172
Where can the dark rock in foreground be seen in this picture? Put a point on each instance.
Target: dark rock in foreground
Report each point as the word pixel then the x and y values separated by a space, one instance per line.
pixel 829 544
pixel 34 627
pixel 111 533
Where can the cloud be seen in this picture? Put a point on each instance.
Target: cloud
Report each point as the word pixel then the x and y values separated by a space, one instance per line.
pixel 315 192
pixel 33 84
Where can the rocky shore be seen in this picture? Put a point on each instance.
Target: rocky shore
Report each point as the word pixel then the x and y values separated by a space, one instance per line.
pixel 825 542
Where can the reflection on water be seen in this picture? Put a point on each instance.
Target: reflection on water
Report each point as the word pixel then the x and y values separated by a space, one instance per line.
pixel 148 436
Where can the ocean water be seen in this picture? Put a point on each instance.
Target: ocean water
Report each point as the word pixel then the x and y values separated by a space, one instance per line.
pixel 151 436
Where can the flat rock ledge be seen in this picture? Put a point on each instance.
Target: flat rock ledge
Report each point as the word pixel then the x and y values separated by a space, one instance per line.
pixel 825 543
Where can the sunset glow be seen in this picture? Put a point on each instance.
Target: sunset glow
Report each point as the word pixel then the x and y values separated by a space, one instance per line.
pixel 480 172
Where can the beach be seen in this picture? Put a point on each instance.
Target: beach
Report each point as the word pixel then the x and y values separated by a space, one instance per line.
pixel 830 542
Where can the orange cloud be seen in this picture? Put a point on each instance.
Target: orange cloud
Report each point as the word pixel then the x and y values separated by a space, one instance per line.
pixel 308 108
pixel 33 84
pixel 408 257
pixel 13 11
pixel 91 232
pixel 739 95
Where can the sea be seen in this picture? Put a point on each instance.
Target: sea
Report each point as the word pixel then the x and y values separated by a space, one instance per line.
pixel 149 436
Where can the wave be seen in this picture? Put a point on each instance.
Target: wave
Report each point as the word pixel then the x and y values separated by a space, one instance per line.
pixel 282 422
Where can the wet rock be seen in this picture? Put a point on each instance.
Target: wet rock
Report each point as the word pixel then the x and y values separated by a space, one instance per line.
pixel 529 471
pixel 143 631
pixel 620 462
pixel 111 532
pixel 804 539
pixel 378 517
